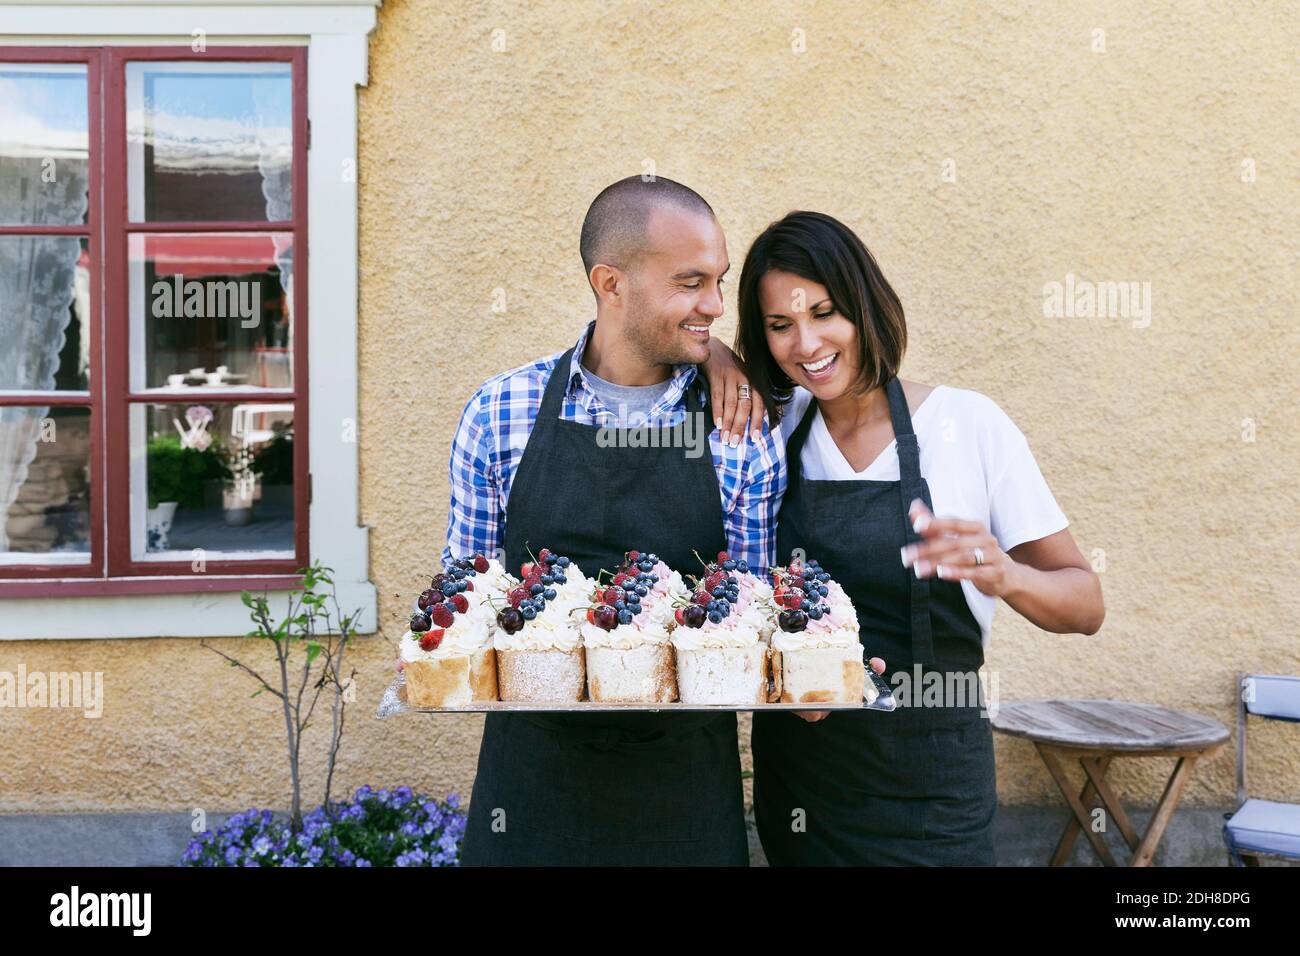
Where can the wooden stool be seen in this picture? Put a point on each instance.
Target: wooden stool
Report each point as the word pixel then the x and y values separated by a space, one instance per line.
pixel 1094 732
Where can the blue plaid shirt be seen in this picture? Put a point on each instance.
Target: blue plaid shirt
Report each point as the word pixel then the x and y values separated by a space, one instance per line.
pixel 494 429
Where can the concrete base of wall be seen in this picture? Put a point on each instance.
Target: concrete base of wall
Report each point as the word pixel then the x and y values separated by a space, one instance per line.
pixel 1025 835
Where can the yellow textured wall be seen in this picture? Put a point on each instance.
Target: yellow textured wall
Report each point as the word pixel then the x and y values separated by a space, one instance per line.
pixel 477 165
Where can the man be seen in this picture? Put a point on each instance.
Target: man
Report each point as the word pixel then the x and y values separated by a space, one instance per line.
pixel 532 466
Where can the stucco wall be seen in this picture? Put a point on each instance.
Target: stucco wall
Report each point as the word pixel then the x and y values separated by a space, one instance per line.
pixel 1124 165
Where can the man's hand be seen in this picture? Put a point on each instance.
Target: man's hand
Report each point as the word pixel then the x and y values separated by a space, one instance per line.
pixel 732 415
pixel 812 716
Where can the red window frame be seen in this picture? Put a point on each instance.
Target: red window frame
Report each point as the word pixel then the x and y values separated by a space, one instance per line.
pixel 111 569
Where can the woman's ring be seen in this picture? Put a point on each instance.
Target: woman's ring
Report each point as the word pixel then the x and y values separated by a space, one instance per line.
pixel 979 557
pixel 743 392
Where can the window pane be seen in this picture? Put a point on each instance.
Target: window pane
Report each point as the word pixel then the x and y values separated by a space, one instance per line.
pixel 217 478
pixel 211 310
pixel 44 485
pixel 209 141
pixel 44 313
pixel 44 144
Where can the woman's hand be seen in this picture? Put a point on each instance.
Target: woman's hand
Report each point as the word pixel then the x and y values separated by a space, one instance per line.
pixel 732 414
pixel 950 549
pixel 1048 581
pixel 812 716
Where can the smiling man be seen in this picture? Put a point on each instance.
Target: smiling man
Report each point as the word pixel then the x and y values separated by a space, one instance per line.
pixel 528 470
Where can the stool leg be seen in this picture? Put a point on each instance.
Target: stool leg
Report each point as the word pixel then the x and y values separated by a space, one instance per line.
pixel 1080 814
pixel 1164 810
pixel 1086 797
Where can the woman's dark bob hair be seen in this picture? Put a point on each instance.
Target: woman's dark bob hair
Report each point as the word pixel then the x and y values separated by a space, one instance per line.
pixel 820 249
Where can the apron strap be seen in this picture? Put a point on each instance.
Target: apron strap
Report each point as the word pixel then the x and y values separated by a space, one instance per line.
pixel 557 385
pixel 911 487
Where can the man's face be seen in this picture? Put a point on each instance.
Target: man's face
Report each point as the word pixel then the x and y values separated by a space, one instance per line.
pixel 675 291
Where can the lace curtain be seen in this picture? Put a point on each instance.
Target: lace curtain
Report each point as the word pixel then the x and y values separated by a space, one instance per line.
pixel 37 286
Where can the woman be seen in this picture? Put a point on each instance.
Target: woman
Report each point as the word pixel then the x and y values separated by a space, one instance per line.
pixel 873 460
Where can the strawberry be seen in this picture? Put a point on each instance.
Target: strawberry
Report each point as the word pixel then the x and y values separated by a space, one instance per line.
pixel 700 597
pixel 613 594
pixel 634 556
pixel 678 614
pixel 542 555
pixel 527 568
pixel 723 556
pixel 431 640
pixel 620 579
pixel 480 563
pixel 442 615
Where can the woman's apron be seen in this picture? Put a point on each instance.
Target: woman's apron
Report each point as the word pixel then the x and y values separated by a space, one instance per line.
pixel 912 787
pixel 605 788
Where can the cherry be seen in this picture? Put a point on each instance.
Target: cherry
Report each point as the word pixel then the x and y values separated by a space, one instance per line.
pixel 510 620
pixel 606 617
pixel 419 622
pixel 680 614
pixel 430 597
pixel 694 616
pixel 792 619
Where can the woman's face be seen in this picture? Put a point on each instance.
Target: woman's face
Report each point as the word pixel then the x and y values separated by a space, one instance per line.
pixel 813 343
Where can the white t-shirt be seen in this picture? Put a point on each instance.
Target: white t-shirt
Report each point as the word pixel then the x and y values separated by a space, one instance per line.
pixel 976 461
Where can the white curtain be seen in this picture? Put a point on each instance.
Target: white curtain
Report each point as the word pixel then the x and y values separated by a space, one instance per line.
pixel 37 285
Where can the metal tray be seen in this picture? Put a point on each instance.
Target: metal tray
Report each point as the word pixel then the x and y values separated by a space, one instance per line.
pixel 394 702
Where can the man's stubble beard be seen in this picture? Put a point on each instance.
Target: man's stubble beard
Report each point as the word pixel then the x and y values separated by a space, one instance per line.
pixel 648 337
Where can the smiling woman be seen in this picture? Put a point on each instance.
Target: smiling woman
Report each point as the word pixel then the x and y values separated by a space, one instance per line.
pixel 871 460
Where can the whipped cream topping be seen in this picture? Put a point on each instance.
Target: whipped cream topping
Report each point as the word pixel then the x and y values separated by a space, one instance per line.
pixel 557 627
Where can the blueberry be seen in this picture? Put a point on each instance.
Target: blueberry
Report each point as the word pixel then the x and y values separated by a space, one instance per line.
pixel 551 559
pixel 715 617
pixel 719 591
pixel 742 567
pixel 823 590
pixel 633 598
pixel 805 604
pixel 562 562
pixel 536 589
pixel 620 604
pixel 528 611
pixel 635 608
pixel 462 585
pixel 816 613
pixel 449 588
pixel 548 579
pixel 549 594
pixel 728 565
pixel 560 578
pixel 624 616
pixel 711 606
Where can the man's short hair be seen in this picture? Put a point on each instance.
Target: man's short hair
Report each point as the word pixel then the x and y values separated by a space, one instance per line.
pixel 614 231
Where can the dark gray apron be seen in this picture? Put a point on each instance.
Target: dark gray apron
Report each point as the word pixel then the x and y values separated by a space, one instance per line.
pixel 914 787
pixel 609 789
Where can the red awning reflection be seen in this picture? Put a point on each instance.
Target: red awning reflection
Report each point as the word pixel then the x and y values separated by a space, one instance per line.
pixel 186 255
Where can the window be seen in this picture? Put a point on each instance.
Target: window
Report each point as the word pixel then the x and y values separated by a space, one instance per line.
pixel 153 314
pixel 88 566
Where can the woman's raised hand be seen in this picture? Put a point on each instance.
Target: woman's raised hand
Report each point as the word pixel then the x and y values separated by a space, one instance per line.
pixel 812 716
pixel 733 414
pixel 957 550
